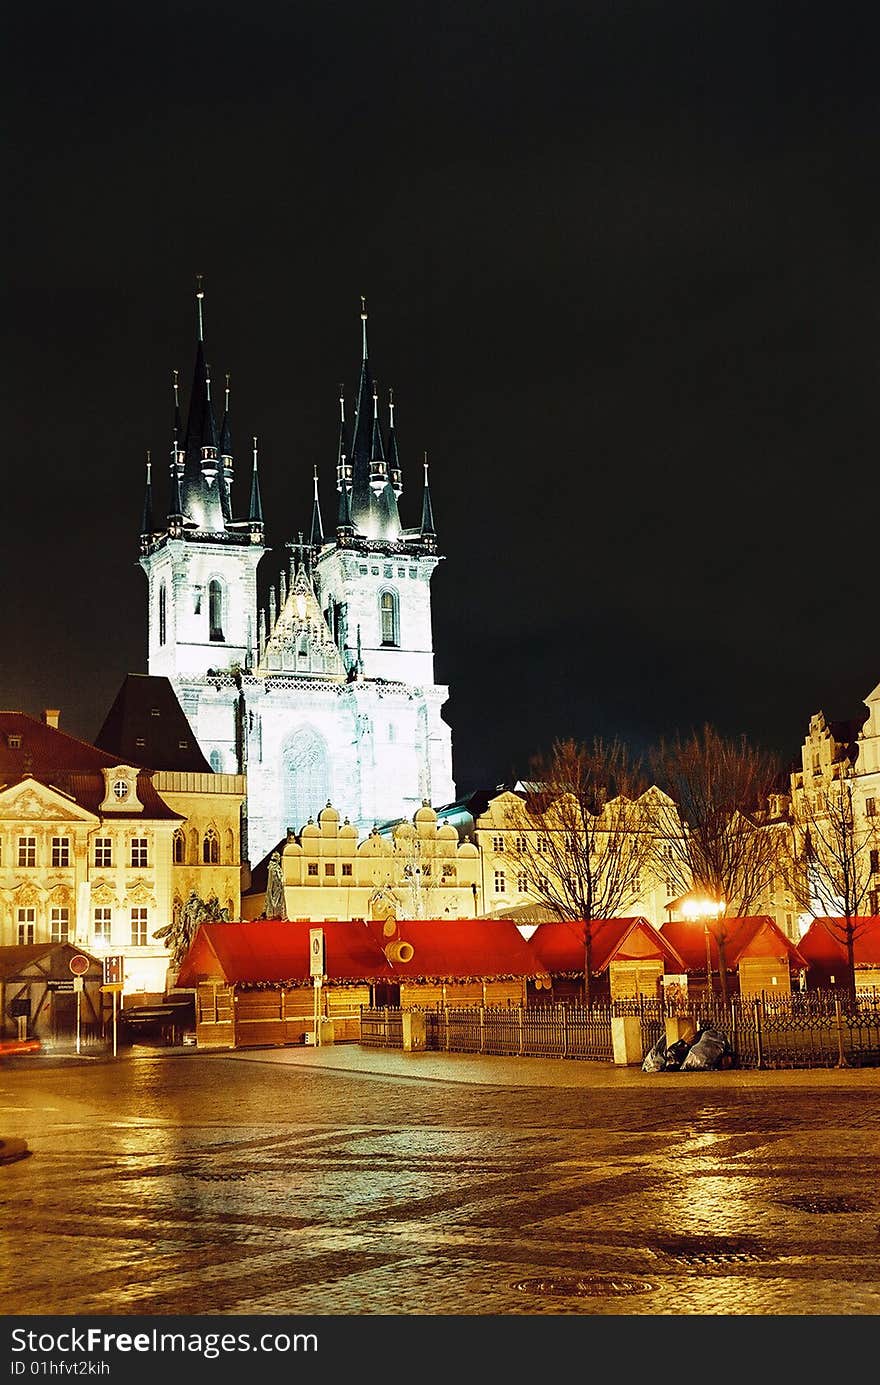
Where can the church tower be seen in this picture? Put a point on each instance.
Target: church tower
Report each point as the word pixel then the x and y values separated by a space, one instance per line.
pixel 201 563
pixel 325 691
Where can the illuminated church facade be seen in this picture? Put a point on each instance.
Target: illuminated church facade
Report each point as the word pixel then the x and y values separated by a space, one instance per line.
pixel 323 690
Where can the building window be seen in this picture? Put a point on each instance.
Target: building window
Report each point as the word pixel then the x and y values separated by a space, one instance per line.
pixel 346 867
pixel 388 613
pixel 27 851
pixel 103 853
pixel 60 851
pixel 59 925
pixel 215 609
pixel 312 868
pixel 874 903
pixel 26 920
pixel 500 882
pixel 543 883
pixel 520 844
pixel 162 614
pixel 497 843
pixel 216 761
pixel 871 807
pixel 179 849
pixel 875 862
pixel 138 851
pixel 14 742
pixel 210 848
pixel 522 883
pixel 330 868
pixel 541 845
pixel 101 926
pixel 448 872
pixel 139 927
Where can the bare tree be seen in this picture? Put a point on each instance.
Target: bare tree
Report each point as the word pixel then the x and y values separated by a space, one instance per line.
pixel 830 871
pixel 583 837
pixel 712 820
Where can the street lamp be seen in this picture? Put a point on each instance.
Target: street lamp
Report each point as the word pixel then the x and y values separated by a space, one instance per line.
pixel 703 908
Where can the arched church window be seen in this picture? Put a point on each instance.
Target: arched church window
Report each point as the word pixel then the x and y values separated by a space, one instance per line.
pixel 388 613
pixel 179 849
pixel 305 772
pixel 215 609
pixel 216 761
pixel 162 613
pixel 211 848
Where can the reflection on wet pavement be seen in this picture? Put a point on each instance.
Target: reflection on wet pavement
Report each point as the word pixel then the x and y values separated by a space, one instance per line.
pixel 200 1184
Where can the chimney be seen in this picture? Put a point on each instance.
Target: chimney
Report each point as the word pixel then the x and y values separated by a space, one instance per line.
pixel 51 715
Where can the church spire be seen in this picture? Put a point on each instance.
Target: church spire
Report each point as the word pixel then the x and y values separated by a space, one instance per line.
pixel 395 475
pixel 147 515
pixel 255 515
pixel 316 537
pixel 200 498
pixel 226 458
pixel 344 525
pixel 361 452
pixel 378 469
pixel 429 533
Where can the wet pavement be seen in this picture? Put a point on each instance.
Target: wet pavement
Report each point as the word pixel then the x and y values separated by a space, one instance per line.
pixel 343 1181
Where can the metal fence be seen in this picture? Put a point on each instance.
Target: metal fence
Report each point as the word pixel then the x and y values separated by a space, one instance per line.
pixel 813 1029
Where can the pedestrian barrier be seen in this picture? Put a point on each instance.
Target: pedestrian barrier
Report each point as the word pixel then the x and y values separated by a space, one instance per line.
pixel 813 1029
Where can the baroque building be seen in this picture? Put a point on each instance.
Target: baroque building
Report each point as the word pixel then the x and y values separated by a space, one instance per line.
pixel 324 689
pixel 419 869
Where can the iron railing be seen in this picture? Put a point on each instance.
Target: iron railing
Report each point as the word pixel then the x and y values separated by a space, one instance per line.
pixel 810 1029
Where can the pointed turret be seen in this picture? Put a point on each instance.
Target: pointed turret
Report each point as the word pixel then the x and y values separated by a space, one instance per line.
pixel 395 476
pixel 361 451
pixel 343 466
pixel 255 514
pixel 378 468
pixel 177 437
pixel 200 497
pixel 344 525
pixel 316 537
pixel 226 467
pixel 147 514
pixel 429 533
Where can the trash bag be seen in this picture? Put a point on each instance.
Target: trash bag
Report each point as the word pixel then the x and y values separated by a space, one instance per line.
pixel 676 1054
pixel 655 1058
pixel 706 1051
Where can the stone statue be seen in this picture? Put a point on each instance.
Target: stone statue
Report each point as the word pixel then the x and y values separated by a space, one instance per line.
pixel 275 906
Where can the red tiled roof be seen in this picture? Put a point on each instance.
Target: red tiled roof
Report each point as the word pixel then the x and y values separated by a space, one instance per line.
pixel 823 943
pixel 757 936
pixel 274 951
pixel 63 762
pixel 559 946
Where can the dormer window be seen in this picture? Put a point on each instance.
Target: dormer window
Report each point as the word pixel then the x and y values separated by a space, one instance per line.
pixel 14 742
pixel 120 789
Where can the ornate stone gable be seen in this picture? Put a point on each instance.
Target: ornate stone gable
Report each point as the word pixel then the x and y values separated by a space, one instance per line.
pixel 32 801
pixel 301 643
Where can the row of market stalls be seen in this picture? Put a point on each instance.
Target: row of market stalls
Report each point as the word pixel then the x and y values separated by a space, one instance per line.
pixel 255 982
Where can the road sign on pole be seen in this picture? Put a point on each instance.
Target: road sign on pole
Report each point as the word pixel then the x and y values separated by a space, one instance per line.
pixel 114 970
pixel 79 964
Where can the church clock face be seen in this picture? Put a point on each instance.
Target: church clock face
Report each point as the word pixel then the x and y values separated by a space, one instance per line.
pixel 120 789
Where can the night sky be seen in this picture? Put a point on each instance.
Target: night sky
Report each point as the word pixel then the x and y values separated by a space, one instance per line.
pixel 622 269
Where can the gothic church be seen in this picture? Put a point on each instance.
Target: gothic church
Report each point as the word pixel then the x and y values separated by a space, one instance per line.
pixel 327 691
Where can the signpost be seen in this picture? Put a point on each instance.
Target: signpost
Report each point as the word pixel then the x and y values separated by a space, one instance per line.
pixel 316 971
pixel 114 982
pixel 79 965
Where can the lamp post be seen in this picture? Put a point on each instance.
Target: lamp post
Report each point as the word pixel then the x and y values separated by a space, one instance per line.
pixel 703 909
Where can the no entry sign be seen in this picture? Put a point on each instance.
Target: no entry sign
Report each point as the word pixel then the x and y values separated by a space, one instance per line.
pixel 79 964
